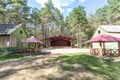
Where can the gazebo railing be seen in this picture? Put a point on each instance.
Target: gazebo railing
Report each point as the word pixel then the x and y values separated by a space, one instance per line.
pixel 111 52
pixel 31 50
pixel 95 51
pixel 104 52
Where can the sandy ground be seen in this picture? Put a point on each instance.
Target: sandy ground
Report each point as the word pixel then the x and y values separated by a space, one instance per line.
pixel 64 50
pixel 30 68
pixel 39 68
pixel 43 67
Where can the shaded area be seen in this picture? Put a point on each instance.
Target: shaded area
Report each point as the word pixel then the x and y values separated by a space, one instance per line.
pixel 80 66
pixel 101 68
pixel 4 57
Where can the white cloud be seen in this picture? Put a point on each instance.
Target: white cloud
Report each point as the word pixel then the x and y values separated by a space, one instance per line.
pixel 57 3
pixel 42 2
pixel 82 1
pixel 69 9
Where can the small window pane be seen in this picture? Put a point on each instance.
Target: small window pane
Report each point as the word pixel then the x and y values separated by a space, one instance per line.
pixel 99 32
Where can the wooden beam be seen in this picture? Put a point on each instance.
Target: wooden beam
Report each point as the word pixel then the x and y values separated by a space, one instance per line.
pixel 90 47
pixel 101 49
pixel 118 48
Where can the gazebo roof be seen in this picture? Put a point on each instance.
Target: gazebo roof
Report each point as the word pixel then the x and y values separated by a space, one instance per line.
pixel 104 38
pixel 32 39
pixel 53 38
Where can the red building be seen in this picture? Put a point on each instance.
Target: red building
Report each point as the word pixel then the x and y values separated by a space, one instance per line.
pixel 60 41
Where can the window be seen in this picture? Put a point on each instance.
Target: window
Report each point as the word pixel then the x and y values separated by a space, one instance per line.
pixel 4 41
pixel 99 32
pixel 20 31
pixel 13 41
pixel 7 42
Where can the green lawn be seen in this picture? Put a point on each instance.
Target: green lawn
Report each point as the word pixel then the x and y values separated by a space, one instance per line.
pixel 102 69
pixel 4 57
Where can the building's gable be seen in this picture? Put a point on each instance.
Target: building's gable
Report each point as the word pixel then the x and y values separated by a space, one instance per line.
pixel 103 29
pixel 99 31
pixel 19 33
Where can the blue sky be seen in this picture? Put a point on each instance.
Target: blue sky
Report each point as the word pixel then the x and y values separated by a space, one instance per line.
pixel 66 6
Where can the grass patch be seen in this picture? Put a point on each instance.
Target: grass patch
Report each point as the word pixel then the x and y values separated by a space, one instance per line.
pixel 4 57
pixel 52 77
pixel 67 67
pixel 101 68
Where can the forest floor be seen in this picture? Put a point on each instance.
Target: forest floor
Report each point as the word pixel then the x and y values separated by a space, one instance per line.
pixel 78 66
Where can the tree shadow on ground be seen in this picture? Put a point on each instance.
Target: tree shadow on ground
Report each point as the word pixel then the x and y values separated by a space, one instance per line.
pixel 34 62
pixel 101 68
pixel 69 66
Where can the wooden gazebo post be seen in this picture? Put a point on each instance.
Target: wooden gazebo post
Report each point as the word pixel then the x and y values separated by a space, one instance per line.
pixel 90 47
pixel 36 49
pixel 119 48
pixel 101 49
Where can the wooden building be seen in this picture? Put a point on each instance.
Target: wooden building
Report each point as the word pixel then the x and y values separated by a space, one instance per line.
pixel 113 30
pixel 11 36
pixel 60 41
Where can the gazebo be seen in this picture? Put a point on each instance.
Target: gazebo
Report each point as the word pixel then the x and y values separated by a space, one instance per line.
pixel 60 41
pixel 30 41
pixel 102 50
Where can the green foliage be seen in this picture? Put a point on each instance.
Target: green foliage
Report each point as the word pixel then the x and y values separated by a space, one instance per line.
pixel 51 21
pixel 76 24
pixel 109 14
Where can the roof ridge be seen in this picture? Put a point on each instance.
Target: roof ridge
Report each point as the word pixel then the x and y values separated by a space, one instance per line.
pixel 110 28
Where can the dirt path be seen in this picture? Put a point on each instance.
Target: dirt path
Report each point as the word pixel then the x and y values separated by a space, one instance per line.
pixel 37 68
pixel 64 50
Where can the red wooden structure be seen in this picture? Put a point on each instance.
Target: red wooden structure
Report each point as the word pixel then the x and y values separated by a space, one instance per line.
pixel 30 41
pixel 102 50
pixel 60 41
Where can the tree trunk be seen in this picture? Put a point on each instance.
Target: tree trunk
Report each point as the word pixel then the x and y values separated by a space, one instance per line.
pixel 45 35
pixel 80 41
pixel 4 6
pixel 80 37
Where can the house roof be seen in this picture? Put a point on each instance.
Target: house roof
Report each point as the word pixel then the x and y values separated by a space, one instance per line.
pixel 111 28
pixel 7 29
pixel 53 38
